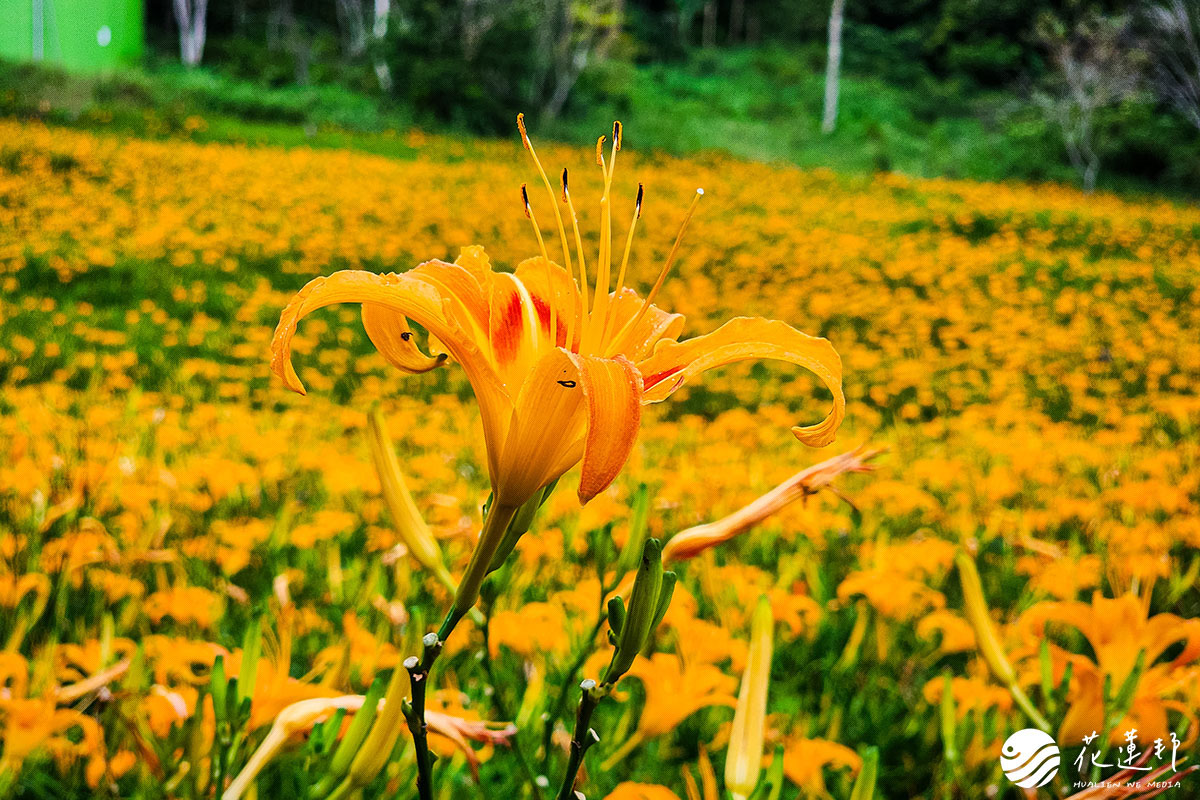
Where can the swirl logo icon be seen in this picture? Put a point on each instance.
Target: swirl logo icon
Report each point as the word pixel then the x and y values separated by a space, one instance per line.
pixel 1029 758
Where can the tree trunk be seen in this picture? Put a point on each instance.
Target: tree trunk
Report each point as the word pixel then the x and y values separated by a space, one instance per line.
pixel 191 16
pixel 833 66
pixel 737 13
pixel 753 29
pixel 354 29
pixel 379 33
pixel 708 34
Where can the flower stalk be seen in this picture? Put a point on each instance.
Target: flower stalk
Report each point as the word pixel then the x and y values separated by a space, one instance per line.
pixel 584 736
pixel 989 642
pixel 414 711
pixel 631 630
pixel 494 527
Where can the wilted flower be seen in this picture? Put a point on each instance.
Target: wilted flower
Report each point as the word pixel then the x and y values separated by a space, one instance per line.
pixel 696 540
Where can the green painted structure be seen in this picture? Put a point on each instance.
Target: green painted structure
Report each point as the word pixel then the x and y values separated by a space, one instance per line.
pixel 85 35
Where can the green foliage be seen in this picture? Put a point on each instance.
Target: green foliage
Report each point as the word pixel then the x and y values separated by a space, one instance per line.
pixel 929 88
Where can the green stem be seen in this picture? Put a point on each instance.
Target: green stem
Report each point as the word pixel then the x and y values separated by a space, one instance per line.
pixel 490 538
pixel 584 737
pixel 565 694
pixel 501 708
pixel 414 712
pixel 1026 705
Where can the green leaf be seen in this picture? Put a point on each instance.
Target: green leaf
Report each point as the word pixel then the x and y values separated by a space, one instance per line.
pixel 864 785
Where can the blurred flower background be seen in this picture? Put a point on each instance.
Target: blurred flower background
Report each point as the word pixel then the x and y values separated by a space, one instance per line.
pixel 199 566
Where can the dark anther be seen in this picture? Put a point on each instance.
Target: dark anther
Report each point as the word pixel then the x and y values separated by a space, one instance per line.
pixel 567 384
pixel 406 336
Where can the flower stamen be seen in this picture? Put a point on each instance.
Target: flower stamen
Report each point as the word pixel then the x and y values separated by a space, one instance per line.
pixel 546 261
pixel 599 319
pixel 583 281
pixel 637 214
pixel 662 276
pixel 562 232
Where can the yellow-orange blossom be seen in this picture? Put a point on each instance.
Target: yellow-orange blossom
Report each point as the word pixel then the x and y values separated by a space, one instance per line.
pixel 557 378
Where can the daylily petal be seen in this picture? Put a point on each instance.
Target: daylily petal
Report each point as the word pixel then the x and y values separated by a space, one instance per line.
pixel 418 300
pixel 545 436
pixel 533 273
pixel 1164 630
pixel 512 328
pixel 475 260
pixel 392 337
pixel 463 291
pixel 654 326
pixel 612 391
pixel 398 293
pixel 748 338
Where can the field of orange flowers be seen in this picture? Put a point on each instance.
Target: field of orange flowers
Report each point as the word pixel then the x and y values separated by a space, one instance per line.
pixel 190 551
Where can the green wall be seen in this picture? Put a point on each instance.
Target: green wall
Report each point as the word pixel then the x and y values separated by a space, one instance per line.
pixel 78 34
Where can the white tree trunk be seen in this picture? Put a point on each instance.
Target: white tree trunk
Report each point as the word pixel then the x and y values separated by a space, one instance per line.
pixel 382 9
pixel 191 16
pixel 833 66
pixel 354 30
pixel 379 32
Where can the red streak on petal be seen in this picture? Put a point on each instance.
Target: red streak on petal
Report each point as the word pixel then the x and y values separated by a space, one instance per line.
pixel 507 331
pixel 651 380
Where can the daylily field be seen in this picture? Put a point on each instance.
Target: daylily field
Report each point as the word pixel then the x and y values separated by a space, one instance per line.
pixel 1020 365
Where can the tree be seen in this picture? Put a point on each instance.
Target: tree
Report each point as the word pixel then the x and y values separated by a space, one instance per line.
pixel 191 17
pixel 1174 44
pixel 352 23
pixel 1094 68
pixel 833 66
pixel 579 35
pixel 383 8
pixel 285 32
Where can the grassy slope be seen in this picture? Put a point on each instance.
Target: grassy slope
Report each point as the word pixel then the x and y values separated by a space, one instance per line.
pixel 754 104
pixel 759 104
pixel 766 105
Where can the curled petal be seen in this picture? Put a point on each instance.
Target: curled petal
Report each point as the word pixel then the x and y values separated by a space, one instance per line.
pixel 612 392
pixel 747 338
pixel 397 293
pixel 392 337
pixel 431 305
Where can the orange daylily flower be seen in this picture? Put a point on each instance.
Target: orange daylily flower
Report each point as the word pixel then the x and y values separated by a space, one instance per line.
pixel 1118 629
pixel 674 691
pixel 630 790
pixel 559 377
pixel 805 761
pixel 36 724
